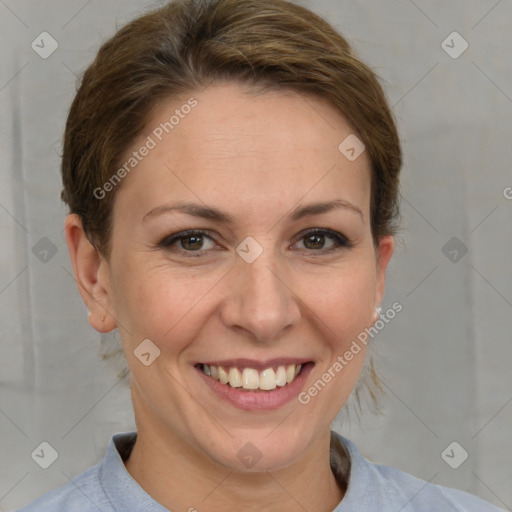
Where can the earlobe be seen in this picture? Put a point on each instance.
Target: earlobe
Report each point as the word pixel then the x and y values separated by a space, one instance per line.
pixel 91 276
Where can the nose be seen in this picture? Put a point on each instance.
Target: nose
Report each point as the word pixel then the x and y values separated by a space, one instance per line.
pixel 260 300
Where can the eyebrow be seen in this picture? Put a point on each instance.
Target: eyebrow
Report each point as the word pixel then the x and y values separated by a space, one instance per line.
pixel 196 210
pixel 317 208
pixel 211 213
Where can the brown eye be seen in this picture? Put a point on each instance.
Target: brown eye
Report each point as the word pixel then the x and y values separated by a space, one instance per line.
pixel 324 240
pixel 314 241
pixel 192 243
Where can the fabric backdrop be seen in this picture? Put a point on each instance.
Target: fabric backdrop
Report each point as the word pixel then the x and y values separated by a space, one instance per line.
pixel 445 358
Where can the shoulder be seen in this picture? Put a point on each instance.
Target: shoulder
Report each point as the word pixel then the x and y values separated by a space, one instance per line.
pixel 418 495
pixel 82 494
pixel 97 488
pixel 105 487
pixel 377 487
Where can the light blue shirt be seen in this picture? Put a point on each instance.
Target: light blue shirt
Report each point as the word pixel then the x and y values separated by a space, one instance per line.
pixel 108 487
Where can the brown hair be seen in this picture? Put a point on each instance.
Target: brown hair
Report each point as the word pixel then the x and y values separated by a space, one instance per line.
pixel 188 44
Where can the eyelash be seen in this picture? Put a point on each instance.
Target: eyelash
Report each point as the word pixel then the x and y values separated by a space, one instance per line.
pixel 341 242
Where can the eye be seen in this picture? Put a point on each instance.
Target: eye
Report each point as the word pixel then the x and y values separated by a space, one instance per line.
pixel 324 240
pixel 189 241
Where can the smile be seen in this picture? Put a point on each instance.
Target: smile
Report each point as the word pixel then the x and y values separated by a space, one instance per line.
pixel 252 379
pixel 255 385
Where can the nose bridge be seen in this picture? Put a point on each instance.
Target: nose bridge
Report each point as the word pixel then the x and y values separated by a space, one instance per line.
pixel 264 281
pixel 260 302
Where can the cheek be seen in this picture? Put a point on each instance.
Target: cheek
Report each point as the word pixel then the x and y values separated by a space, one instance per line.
pixel 343 300
pixel 344 307
pixel 165 308
pixel 171 308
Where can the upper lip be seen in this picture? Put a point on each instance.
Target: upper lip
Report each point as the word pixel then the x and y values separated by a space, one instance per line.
pixel 256 364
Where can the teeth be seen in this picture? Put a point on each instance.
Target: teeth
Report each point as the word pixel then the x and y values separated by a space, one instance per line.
pixel 281 376
pixel 235 378
pixel 249 378
pixel 268 379
pixel 223 376
pixel 290 373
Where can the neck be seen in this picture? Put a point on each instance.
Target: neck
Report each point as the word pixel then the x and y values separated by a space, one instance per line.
pixel 182 478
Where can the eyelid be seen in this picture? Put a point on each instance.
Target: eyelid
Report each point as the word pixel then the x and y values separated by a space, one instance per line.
pixel 340 238
pixel 169 240
pixel 341 241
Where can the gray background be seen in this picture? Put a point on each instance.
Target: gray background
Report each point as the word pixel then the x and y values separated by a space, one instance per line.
pixel 445 359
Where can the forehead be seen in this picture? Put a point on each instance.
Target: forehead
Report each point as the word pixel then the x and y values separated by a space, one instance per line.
pixel 227 145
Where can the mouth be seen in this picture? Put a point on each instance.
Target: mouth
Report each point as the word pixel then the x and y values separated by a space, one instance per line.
pixel 252 385
pixel 251 378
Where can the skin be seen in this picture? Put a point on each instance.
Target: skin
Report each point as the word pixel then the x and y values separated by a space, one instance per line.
pixel 256 157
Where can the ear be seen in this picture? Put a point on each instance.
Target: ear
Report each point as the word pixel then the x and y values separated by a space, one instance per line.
pixel 91 274
pixel 384 253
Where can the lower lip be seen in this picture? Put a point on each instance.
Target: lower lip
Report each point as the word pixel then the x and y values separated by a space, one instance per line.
pixel 258 400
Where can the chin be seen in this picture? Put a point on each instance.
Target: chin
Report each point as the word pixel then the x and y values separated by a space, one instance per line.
pixel 256 451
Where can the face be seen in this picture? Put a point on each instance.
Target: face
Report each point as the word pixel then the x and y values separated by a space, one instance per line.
pixel 242 240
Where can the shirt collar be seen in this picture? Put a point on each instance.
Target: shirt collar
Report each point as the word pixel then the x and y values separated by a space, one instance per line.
pixel 125 493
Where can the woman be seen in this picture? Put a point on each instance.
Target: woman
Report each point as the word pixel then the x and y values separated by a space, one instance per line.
pixel 231 171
